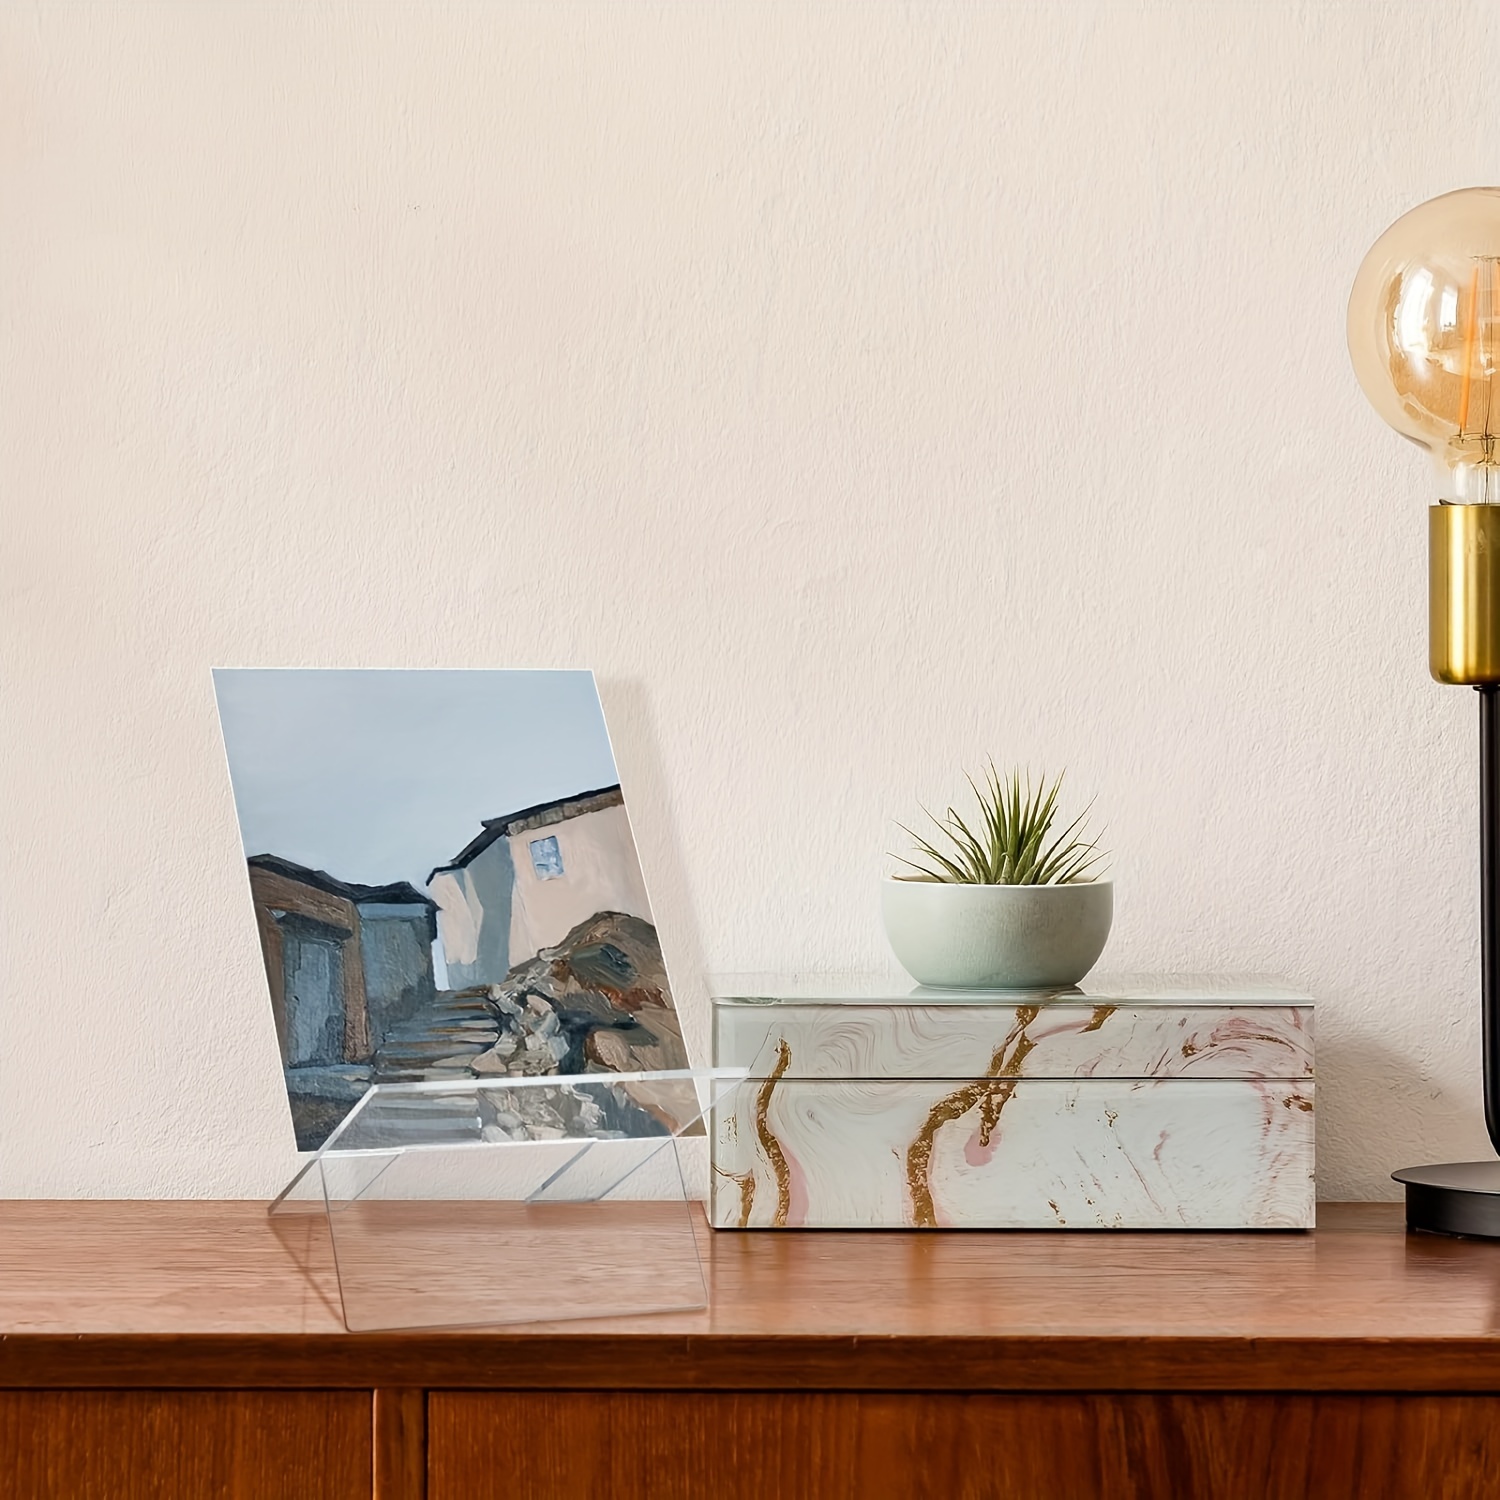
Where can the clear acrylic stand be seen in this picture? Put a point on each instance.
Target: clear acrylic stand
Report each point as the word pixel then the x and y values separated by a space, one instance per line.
pixel 512 1200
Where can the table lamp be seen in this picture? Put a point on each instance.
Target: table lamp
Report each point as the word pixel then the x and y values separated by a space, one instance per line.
pixel 1424 335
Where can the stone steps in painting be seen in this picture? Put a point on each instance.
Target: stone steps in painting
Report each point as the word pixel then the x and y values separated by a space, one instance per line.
pixel 436 1044
pixel 430 1120
pixel 440 1041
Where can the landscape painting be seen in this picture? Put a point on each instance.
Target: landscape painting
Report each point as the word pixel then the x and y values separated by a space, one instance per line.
pixel 445 886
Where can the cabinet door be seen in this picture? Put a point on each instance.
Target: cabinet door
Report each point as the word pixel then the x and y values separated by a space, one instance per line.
pixel 185 1445
pixel 752 1445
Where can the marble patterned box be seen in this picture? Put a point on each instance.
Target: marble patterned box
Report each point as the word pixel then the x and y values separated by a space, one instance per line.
pixel 1178 1102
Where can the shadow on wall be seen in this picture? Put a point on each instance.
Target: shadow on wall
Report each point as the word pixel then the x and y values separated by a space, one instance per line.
pixel 1368 1092
pixel 629 706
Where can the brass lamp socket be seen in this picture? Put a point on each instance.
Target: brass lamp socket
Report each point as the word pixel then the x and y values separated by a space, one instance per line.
pixel 1463 594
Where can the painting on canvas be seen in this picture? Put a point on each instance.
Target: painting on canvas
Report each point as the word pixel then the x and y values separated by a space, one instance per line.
pixel 444 883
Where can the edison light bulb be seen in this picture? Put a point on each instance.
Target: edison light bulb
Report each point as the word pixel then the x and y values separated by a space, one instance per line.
pixel 1424 334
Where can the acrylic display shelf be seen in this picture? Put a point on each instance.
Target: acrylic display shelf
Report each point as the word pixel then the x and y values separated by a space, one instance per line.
pixel 507 1200
pixel 1173 1102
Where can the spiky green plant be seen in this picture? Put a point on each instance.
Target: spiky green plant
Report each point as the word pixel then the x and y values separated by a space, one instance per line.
pixel 1011 842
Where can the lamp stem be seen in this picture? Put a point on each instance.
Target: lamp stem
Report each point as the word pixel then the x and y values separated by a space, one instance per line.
pixel 1489 898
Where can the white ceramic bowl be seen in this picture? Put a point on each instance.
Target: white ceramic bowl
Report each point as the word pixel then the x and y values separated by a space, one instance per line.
pixel 997 936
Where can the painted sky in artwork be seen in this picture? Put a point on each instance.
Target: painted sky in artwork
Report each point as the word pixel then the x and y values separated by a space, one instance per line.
pixel 378 776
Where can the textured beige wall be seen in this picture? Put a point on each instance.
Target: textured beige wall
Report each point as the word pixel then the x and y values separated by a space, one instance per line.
pixel 858 388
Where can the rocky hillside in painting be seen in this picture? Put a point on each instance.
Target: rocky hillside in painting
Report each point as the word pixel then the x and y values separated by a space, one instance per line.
pixel 596 1003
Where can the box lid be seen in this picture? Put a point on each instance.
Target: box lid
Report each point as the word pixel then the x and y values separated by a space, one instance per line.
pixel 1122 1026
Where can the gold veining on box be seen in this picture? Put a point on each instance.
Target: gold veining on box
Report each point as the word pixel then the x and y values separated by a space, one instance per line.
pixel 991 1093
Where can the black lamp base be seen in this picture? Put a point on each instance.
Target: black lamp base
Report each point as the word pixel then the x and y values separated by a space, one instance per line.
pixel 1457 1197
pixel 1463 1197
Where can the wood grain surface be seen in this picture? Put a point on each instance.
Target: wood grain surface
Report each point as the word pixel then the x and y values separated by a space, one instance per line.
pixel 400 1438
pixel 172 1445
pixel 216 1295
pixel 745 1446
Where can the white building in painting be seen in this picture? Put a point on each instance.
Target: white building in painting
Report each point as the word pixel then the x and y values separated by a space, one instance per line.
pixel 530 878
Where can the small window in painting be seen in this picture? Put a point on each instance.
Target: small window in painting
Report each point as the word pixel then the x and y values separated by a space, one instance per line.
pixel 546 858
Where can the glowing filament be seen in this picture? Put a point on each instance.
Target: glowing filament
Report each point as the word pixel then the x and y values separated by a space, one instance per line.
pixel 1470 327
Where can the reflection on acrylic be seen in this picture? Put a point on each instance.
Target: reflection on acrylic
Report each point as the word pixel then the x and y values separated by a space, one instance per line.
pixel 445 886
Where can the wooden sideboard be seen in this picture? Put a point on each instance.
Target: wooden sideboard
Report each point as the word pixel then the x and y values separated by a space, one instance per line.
pixel 193 1350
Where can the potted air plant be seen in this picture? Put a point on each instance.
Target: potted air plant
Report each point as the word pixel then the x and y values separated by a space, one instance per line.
pixel 1000 900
